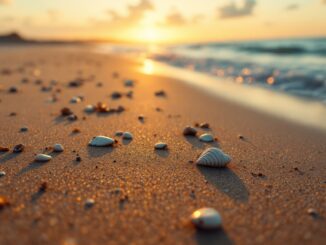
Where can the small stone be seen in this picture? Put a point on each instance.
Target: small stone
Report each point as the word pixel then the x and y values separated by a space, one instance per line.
pixel 160 93
pixel 313 212
pixel 141 117
pixel 78 159
pixel 206 138
pixel 206 218
pixel 42 158
pixel 189 131
pixel 4 149
pixel 127 136
pixel 90 108
pixel 66 112
pixel 161 146
pixel 18 148
pixel 58 148
pixel 13 90
pixel 129 83
pixel 204 125
pixel 2 174
pixel 4 202
pixel 116 95
pixel 24 129
pixel 89 203
pixel 118 133
pixel 75 99
pixel 72 117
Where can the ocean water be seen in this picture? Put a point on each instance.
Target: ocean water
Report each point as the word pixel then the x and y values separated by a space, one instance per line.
pixel 296 67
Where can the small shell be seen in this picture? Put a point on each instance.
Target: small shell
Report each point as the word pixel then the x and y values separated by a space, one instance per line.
pixel 42 158
pixel 213 157
pixel 206 218
pixel 58 148
pixel 2 173
pixel 161 146
pixel 89 108
pixel 75 99
pixel 127 136
pixel 101 141
pixel 189 131
pixel 206 138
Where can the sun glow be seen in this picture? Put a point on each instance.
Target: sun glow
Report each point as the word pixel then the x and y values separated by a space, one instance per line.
pixel 148 67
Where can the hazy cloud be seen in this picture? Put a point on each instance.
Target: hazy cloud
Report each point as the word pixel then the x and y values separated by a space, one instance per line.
pixel 175 18
pixel 135 13
pixel 291 7
pixel 53 14
pixel 232 10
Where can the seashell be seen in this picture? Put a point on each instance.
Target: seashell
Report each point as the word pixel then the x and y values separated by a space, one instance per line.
pixel 213 157
pixel 101 141
pixel 42 158
pixel 89 108
pixel 75 99
pixel 89 203
pixel 127 136
pixel 129 83
pixel 189 131
pixel 2 173
pixel 58 148
pixel 206 138
pixel 161 146
pixel 206 218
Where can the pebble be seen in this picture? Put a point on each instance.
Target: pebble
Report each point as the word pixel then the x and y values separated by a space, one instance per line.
pixel 127 136
pixel 129 83
pixel 18 148
pixel 24 129
pixel 90 108
pixel 89 203
pixel 58 148
pixel 66 112
pixel 206 218
pixel 13 90
pixel 2 174
pixel 206 138
pixel 312 212
pixel 101 141
pixel 72 117
pixel 161 146
pixel 189 131
pixel 42 158
pixel 75 99
pixel 204 125
pixel 4 149
pixel 118 133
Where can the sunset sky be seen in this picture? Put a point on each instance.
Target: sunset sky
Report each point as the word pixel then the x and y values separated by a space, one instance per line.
pixel 164 21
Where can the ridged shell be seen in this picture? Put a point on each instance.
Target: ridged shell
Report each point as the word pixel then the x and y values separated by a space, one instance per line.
pixel 213 157
pixel 161 146
pixel 58 148
pixel 206 218
pixel 206 138
pixel 127 136
pixel 101 141
pixel 42 158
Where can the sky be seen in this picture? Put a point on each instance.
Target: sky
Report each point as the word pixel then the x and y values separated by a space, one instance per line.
pixel 164 21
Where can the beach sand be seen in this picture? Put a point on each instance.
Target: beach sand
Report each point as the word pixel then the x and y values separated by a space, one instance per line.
pixel 143 196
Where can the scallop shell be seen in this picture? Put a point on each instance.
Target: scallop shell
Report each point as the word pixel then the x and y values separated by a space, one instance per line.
pixel 127 136
pixel 213 157
pixel 206 218
pixel 161 146
pixel 89 108
pixel 206 138
pixel 58 148
pixel 189 131
pixel 42 158
pixel 101 141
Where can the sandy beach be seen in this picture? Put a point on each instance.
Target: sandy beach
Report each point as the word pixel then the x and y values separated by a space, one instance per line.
pixel 145 196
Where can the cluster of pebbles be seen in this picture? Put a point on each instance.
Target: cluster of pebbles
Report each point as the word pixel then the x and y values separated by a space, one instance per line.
pixel 204 218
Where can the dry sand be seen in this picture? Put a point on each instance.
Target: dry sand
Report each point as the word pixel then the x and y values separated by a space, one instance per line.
pixel 158 190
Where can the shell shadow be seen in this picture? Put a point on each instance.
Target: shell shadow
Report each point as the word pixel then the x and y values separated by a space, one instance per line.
pixel 212 237
pixel 226 181
pixel 8 156
pixel 99 151
pixel 162 153
pixel 195 142
pixel 126 142
pixel 31 166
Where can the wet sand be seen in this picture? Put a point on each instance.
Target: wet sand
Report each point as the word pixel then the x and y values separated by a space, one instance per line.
pixel 143 196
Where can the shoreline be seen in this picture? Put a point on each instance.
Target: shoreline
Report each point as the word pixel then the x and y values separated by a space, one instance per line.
pixel 157 190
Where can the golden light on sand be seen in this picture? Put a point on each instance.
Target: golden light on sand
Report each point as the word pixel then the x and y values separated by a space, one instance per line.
pixel 148 67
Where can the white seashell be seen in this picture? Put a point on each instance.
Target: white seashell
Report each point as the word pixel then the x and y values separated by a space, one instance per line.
pixel 127 136
pixel 42 158
pixel 75 99
pixel 89 108
pixel 206 218
pixel 101 141
pixel 213 157
pixel 58 148
pixel 161 146
pixel 89 203
pixel 2 173
pixel 206 138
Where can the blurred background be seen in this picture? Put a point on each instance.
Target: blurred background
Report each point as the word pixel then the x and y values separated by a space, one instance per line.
pixel 278 45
